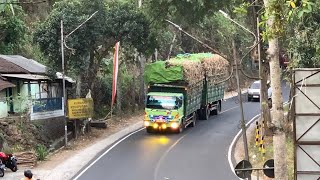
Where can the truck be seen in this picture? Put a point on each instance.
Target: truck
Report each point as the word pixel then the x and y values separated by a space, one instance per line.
pixel 175 104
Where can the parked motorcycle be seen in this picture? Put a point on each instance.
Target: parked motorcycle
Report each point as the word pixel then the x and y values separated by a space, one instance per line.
pixel 9 161
pixel 2 166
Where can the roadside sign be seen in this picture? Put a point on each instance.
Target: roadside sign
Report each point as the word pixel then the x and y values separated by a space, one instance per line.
pixel 241 171
pixel 80 108
pixel 269 172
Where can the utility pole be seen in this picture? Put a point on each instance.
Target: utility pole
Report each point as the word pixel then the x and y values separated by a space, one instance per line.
pixel 63 43
pixel 242 121
pixel 64 89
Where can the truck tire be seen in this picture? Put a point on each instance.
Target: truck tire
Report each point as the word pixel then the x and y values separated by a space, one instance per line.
pixel 181 128
pixel 194 119
pixel 205 113
pixel 217 110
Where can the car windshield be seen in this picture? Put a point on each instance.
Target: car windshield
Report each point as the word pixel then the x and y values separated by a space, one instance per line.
pixel 255 86
pixel 164 102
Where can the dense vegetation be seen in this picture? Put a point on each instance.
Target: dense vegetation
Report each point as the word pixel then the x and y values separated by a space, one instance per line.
pixel 33 30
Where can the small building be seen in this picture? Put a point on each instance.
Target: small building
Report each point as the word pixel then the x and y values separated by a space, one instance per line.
pixel 26 88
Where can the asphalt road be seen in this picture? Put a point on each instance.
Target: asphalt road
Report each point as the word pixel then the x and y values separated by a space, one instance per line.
pixel 199 153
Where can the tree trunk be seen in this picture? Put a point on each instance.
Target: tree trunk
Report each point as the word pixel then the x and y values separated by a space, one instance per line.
pixel 142 62
pixel 279 138
pixel 171 45
pixel 119 93
pixel 264 98
pixel 78 86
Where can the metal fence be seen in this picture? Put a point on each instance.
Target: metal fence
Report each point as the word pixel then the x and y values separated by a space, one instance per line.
pixel 47 104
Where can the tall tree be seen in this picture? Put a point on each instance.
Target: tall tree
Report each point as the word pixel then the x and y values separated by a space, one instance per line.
pixel 95 39
pixel 12 28
pixel 274 13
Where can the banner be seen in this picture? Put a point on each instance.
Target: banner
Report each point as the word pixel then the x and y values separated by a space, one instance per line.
pixel 115 73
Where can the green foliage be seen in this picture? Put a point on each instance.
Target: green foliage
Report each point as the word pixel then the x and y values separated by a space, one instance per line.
pixel 304 37
pixel 12 29
pixel 113 22
pixel 297 12
pixel 41 152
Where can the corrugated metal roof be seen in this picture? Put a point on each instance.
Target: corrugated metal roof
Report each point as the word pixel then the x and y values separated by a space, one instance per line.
pixel 29 65
pixel 26 76
pixel 37 77
pixel 9 67
pixel 5 84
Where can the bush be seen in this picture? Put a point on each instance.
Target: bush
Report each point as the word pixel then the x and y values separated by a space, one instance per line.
pixel 42 152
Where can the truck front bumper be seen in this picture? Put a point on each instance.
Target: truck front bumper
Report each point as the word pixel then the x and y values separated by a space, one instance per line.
pixel 162 125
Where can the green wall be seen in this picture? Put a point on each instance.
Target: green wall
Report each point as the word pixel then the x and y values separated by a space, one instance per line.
pixel 3 104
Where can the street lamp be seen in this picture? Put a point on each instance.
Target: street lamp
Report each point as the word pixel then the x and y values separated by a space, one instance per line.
pixel 244 28
pixel 63 43
pixel 255 41
pixel 243 124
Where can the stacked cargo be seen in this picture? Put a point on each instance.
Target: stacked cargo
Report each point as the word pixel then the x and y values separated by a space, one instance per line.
pixel 188 69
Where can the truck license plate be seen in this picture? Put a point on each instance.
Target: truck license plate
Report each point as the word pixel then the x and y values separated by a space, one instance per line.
pixel 255 96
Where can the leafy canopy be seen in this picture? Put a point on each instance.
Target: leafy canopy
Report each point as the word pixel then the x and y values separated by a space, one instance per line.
pixel 94 40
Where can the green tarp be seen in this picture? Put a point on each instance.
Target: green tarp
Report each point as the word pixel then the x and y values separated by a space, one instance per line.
pixel 158 73
pixel 162 72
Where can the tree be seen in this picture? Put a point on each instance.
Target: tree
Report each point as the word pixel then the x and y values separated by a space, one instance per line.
pixel 12 29
pixel 304 35
pixel 274 28
pixel 95 40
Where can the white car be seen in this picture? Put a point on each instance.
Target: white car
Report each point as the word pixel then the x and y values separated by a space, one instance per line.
pixel 254 91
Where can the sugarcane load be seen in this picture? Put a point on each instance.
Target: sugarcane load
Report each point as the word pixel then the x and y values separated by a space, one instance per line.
pixel 184 89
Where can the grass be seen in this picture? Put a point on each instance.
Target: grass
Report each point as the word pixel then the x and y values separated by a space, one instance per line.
pixel 257 159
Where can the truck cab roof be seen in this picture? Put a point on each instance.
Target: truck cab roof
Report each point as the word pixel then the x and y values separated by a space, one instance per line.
pixel 164 94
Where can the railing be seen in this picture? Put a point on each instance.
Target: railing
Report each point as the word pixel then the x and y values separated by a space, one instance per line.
pixel 47 104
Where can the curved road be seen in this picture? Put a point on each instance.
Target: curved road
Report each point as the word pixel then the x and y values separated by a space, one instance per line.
pixel 197 153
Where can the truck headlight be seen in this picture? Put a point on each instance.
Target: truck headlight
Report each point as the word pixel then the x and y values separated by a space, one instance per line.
pixel 174 125
pixel 155 125
pixel 146 123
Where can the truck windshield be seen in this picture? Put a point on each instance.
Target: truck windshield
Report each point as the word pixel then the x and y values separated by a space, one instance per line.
pixel 164 102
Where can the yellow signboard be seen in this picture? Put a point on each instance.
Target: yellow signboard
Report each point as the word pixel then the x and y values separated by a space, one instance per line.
pixel 80 108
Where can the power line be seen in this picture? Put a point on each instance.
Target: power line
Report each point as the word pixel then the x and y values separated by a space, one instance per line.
pixel 30 2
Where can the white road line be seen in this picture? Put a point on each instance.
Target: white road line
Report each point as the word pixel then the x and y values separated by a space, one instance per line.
pixel 124 138
pixel 233 142
pixel 229 109
pixel 165 154
pixel 235 139
pixel 114 145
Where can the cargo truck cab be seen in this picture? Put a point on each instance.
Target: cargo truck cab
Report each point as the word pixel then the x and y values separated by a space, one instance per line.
pixel 164 111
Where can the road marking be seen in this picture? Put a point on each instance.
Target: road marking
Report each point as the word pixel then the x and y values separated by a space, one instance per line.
pixel 114 145
pixel 234 140
pixel 165 154
pixel 228 109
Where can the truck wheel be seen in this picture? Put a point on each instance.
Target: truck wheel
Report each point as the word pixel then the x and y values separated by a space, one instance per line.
pixel 217 110
pixel 149 130
pixel 206 113
pixel 181 128
pixel 194 119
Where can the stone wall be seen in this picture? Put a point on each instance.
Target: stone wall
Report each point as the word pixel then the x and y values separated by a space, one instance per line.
pixel 52 128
